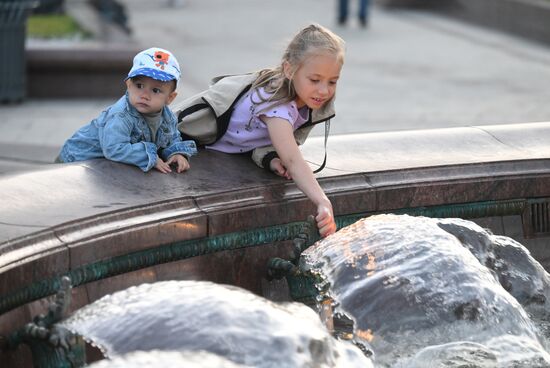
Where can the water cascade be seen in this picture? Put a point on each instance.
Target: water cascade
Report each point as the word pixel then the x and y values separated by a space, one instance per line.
pixel 424 292
pixel 199 316
pixel 392 290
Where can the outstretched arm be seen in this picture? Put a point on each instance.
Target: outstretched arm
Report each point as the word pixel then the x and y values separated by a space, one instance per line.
pixel 282 137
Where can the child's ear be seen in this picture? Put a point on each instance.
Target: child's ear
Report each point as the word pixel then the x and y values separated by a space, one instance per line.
pixel 128 81
pixel 287 70
pixel 171 97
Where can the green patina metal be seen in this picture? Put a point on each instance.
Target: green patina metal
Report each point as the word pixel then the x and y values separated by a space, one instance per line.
pixel 249 238
pixel 302 288
pixel 461 210
pixel 46 356
pixel 151 257
pixel 52 345
pixel 469 210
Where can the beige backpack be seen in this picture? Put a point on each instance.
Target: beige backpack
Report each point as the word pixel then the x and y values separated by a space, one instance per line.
pixel 205 116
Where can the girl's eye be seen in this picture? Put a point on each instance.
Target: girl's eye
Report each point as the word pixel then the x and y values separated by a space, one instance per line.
pixel 156 90
pixel 139 85
pixel 333 83
pixel 314 80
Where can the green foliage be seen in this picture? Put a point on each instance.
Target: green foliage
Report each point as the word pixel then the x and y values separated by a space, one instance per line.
pixel 53 26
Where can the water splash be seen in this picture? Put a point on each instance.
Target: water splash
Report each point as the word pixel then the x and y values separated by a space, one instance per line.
pixel 435 292
pixel 224 320
pixel 161 359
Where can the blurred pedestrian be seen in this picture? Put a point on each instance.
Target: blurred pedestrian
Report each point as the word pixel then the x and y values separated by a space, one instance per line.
pixel 363 12
pixel 175 3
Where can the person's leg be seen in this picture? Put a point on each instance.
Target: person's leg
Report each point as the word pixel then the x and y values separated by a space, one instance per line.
pixel 364 12
pixel 342 11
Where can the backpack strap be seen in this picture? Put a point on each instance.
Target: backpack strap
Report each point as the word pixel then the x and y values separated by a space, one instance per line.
pixel 266 160
pixel 327 130
pixel 191 109
pixel 223 120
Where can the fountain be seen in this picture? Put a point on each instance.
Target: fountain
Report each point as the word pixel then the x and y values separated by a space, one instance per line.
pixel 422 290
pixel 202 316
pixel 395 290
pixel 107 236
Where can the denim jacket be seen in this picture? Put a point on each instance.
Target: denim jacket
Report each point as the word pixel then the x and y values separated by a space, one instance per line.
pixel 121 134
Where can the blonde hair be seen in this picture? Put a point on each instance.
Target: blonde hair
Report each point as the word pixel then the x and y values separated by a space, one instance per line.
pixel 310 41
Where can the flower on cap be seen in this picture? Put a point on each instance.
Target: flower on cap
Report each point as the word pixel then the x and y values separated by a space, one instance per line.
pixel 161 58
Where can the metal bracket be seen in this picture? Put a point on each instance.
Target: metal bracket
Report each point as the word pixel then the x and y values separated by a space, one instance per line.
pixel 536 218
pixel 51 345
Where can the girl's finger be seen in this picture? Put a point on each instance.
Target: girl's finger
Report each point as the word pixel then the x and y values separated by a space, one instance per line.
pixel 327 229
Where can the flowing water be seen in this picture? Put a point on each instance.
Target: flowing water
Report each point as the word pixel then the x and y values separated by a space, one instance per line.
pixel 167 359
pixel 202 316
pixel 410 291
pixel 427 292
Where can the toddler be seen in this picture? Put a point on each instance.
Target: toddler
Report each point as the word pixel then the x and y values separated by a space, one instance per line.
pixel 139 129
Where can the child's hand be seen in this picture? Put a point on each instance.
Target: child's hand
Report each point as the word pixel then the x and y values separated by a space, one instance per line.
pixel 162 166
pixel 325 220
pixel 276 165
pixel 180 162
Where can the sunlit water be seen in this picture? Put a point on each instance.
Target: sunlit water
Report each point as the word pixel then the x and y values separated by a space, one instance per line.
pixel 224 320
pixel 167 359
pixel 415 292
pixel 435 292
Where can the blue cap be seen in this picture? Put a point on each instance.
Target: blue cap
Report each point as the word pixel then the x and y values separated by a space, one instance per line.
pixel 156 63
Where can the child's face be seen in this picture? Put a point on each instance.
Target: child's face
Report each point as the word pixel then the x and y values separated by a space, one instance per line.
pixel 149 95
pixel 315 80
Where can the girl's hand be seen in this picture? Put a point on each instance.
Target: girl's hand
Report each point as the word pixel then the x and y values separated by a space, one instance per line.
pixel 162 166
pixel 180 161
pixel 276 165
pixel 325 220
pixel 292 161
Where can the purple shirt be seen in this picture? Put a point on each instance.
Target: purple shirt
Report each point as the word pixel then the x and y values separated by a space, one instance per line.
pixel 246 131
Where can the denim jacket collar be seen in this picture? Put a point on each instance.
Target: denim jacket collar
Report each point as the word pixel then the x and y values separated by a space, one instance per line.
pixel 133 111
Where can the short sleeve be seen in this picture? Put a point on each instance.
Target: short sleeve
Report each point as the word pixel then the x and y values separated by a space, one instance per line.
pixel 287 111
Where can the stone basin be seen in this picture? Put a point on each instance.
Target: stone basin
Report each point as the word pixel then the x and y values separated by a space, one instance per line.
pixel 224 219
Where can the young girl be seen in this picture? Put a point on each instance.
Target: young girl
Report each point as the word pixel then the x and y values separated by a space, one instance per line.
pixel 281 101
